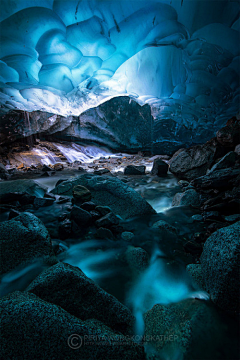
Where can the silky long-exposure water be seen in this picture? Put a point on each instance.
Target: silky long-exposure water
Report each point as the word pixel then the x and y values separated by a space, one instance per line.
pixel 164 279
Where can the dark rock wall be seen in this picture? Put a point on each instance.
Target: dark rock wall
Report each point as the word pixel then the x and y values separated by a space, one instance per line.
pixel 120 124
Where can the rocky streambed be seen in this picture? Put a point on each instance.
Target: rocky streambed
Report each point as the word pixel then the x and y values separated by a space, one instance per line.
pixel 121 256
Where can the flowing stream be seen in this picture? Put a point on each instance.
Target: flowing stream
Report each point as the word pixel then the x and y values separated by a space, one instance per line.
pixel 163 281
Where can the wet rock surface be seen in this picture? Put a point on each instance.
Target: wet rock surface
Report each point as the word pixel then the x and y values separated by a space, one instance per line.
pixel 23 186
pixel 160 168
pixel 193 162
pixel 81 194
pixel 189 197
pixel 62 282
pixel 181 325
pixel 26 319
pixel 229 135
pixel 220 267
pixel 134 170
pixel 111 192
pixel 23 240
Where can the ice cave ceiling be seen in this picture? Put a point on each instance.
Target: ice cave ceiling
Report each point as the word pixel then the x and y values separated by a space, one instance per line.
pixel 66 56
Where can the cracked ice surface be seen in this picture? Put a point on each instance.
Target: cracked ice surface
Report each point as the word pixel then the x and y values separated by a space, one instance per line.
pixel 64 57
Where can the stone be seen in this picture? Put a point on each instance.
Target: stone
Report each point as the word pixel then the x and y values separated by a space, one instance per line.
pixel 63 199
pixel 3 172
pixel 137 259
pixel 103 210
pixel 128 124
pixel 58 167
pixel 13 213
pixel 102 172
pixel 232 218
pixel 40 202
pixel 127 236
pixel 117 229
pixel 220 267
pixel 22 240
pixel 48 173
pixel 68 287
pixel 107 220
pixel 95 215
pixel 22 186
pixel 65 229
pixel 229 135
pixel 175 329
pixel 81 193
pixel 88 206
pixel 112 192
pixel 189 197
pixel 227 161
pixel 32 328
pixel 183 183
pixel 135 170
pixel 218 179
pixel 195 271
pixel 197 217
pixel 237 149
pixel 46 168
pixel 81 217
pixel 193 162
pixel 103 233
pixel 163 225
pixel 160 168
pixel 212 215
pixel 49 196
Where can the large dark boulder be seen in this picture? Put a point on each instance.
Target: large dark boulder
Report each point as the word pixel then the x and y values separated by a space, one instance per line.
pixel 190 163
pixel 195 271
pixel 107 221
pixel 80 216
pixel 120 123
pixel 3 172
pixel 81 194
pixel 189 197
pixel 32 328
pixel 226 161
pixel 179 330
pixel 134 170
pixel 22 240
pixel 164 226
pixel 112 192
pixel 160 168
pixel 220 261
pixel 67 286
pixel 137 259
pixel 218 179
pixel 22 186
pixel 229 135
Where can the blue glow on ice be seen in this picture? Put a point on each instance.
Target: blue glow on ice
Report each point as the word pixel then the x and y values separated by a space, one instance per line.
pixel 64 57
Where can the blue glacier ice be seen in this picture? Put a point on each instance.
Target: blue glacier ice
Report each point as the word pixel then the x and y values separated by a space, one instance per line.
pixel 180 57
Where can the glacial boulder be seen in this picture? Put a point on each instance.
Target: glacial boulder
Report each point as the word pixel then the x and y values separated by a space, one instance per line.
pixel 32 328
pixel 112 192
pixel 68 287
pixel 220 261
pixel 22 240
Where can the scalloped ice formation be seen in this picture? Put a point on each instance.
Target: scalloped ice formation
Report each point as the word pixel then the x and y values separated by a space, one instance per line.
pixel 64 57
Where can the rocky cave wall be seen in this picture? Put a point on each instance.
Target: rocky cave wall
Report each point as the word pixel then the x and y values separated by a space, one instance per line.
pixel 120 124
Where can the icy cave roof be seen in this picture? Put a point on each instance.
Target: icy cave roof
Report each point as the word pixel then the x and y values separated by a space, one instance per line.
pixel 65 56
